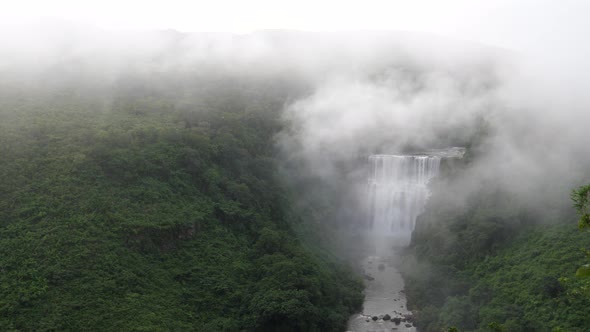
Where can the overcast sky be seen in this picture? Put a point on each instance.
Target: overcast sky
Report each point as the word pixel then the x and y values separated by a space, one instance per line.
pixel 522 25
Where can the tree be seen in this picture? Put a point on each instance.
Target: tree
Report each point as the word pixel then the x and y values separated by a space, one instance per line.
pixel 581 199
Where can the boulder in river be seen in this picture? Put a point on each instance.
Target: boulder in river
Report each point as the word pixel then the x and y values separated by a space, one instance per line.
pixel 375 318
pixel 397 320
pixel 386 317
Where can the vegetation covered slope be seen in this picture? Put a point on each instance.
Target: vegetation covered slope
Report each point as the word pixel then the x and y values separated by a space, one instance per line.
pixel 154 209
pixel 488 265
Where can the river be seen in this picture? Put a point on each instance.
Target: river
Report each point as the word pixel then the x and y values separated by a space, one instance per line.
pixel 384 295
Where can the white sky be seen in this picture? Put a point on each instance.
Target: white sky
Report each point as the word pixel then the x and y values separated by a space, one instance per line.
pixel 525 25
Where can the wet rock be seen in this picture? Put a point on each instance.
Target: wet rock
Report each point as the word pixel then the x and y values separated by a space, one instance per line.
pixel 397 320
pixel 375 318
pixel 368 277
pixel 408 325
pixel 409 317
pixel 386 317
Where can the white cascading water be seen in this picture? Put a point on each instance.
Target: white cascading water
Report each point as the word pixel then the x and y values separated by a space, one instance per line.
pixel 398 190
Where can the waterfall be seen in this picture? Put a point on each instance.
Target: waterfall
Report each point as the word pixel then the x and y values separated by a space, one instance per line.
pixel 397 194
pixel 398 190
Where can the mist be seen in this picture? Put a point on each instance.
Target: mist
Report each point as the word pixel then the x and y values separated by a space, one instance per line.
pixel 361 93
pixel 523 118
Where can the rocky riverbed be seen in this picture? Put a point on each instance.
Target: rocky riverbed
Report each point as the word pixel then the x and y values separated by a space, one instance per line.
pixel 384 308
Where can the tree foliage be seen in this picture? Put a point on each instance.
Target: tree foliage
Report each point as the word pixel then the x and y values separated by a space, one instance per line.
pixel 155 212
pixel 486 265
pixel 581 200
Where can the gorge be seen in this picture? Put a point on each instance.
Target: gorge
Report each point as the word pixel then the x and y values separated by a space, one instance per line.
pixel 397 194
pixel 279 181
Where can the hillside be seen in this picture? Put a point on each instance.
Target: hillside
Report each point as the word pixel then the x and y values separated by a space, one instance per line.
pixel 126 212
pixel 491 265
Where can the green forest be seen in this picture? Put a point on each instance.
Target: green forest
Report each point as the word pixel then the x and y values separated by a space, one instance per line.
pixel 493 265
pixel 139 215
